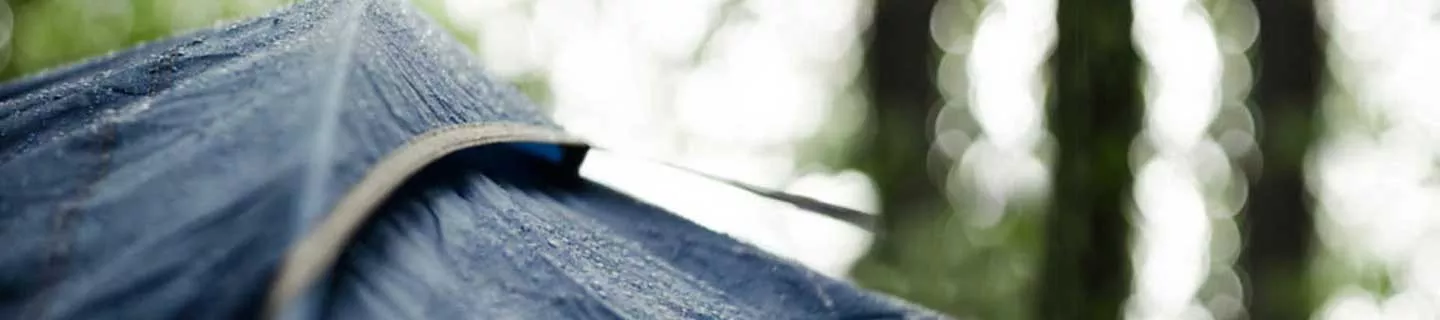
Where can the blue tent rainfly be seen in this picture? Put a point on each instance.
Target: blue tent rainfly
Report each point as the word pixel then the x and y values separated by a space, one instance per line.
pixel 343 159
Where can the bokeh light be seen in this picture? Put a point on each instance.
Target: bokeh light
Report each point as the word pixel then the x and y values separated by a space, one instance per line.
pixel 1189 176
pixel 991 146
pixel 730 88
pixel 1373 171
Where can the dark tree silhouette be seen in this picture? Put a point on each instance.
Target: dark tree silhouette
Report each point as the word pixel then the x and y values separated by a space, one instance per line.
pixel 1278 225
pixel 1094 113
pixel 899 69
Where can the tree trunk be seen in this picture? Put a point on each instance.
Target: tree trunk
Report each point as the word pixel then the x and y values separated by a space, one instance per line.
pixel 899 71
pixel 1094 113
pixel 1278 225
pixel 899 74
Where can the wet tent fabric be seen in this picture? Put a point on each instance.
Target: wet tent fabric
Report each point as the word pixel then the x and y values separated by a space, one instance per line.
pixel 489 231
pixel 170 180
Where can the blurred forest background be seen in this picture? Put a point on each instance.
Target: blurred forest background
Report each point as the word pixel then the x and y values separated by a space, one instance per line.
pixel 1057 159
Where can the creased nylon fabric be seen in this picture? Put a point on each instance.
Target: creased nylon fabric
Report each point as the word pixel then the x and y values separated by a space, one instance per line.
pixel 169 180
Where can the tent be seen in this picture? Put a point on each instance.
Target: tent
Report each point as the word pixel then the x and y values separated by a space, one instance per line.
pixel 343 159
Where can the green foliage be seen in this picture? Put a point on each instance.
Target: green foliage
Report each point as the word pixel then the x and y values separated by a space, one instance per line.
pixel 954 267
pixel 48 34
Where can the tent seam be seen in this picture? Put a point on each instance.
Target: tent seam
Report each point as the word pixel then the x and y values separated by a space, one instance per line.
pixel 57 261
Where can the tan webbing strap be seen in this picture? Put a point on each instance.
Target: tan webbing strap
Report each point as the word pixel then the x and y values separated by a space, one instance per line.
pixel 317 251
